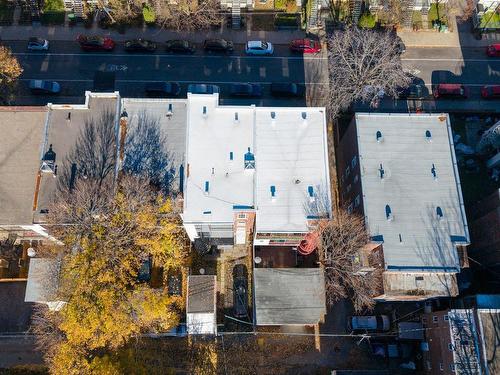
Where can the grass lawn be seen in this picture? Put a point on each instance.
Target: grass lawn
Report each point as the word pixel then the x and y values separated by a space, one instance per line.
pixel 490 20
pixel 437 12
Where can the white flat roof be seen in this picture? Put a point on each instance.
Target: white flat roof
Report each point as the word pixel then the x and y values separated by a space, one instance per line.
pixel 415 238
pixel 290 154
pixel 211 138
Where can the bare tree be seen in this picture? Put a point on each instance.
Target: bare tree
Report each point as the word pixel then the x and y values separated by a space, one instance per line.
pixel 351 271
pixel 363 65
pixel 188 14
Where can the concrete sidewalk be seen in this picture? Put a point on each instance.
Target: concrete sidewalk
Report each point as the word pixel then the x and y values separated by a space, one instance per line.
pixel 461 37
pixel 71 32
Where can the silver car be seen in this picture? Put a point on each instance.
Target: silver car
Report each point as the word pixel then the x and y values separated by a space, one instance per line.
pixel 38 44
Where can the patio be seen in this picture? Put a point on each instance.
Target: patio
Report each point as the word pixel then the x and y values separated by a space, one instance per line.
pixel 283 257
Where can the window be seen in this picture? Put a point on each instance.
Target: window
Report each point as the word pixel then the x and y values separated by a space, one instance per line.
pixel 446 318
pixel 435 319
pixel 356 179
pixel 357 201
pixel 354 162
pixel 450 347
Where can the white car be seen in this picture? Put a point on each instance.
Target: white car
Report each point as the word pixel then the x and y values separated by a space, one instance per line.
pixel 38 44
pixel 259 47
pixel 369 323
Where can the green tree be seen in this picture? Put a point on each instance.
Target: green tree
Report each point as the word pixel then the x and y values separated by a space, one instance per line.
pixel 367 21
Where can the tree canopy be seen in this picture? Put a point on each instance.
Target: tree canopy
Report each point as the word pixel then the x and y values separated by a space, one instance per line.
pixel 10 70
pixel 102 256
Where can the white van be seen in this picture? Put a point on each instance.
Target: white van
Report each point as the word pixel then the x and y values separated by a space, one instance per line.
pixel 369 323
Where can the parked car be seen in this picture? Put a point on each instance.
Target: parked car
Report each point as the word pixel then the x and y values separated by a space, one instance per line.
pixel 246 89
pixel 369 323
pixel 201 88
pixel 179 46
pixel 259 47
pixel 288 90
pixel 38 44
pixel 414 91
pixel 240 291
pixel 163 89
pixel 218 45
pixel 490 92
pixel 95 43
pixel 38 86
pixel 305 46
pixel 450 90
pixel 493 50
pixel 140 45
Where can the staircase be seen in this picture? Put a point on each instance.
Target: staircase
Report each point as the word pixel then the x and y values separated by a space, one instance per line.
pixel 236 15
pixel 313 17
pixel 76 6
pixel 356 10
pixel 407 13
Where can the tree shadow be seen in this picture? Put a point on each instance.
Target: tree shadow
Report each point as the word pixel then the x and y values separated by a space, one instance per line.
pixel 146 153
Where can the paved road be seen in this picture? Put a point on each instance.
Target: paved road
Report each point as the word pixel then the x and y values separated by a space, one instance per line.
pixel 18 350
pixel 75 69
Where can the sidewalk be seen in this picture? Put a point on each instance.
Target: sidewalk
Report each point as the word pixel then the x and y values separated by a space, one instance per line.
pixel 71 32
pixel 460 37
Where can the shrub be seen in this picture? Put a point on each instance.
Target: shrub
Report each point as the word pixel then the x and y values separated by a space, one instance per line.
pixel 286 20
pixel 149 14
pixel 367 21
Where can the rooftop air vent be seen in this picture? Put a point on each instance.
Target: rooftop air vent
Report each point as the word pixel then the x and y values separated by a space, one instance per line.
pixel 170 110
pixel 68 119
pixel 207 187
pixel 273 115
pixel 379 136
pixel 433 172
pixel 273 192
pixel 236 118
pixel 381 172
pixel 249 160
pixel 231 156
pixel 304 115
pixel 205 114
pixel 439 213
pixel 388 213
pixel 310 192
pixel 428 135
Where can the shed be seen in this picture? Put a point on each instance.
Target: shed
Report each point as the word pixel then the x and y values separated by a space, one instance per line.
pixel 201 305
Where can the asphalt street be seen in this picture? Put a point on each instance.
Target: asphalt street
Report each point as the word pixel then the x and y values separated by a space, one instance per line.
pixel 74 70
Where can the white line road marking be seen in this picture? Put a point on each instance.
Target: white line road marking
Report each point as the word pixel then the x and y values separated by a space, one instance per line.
pixel 175 56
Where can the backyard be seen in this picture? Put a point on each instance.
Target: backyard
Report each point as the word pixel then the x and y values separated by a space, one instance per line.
pixel 53 12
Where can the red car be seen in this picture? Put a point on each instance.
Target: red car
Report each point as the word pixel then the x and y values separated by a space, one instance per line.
pixel 490 92
pixel 493 50
pixel 95 43
pixel 305 46
pixel 450 90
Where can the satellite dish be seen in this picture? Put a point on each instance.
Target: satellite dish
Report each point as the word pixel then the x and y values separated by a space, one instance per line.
pixel 31 252
pixel 202 271
pixel 258 260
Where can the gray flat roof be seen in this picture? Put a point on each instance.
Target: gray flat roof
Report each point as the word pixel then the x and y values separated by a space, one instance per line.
pixel 201 294
pixel 427 216
pixel 21 130
pixel 289 296
pixel 173 126
pixel 43 280
pixel 66 123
